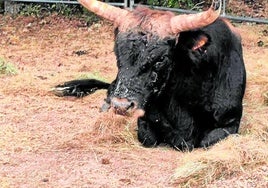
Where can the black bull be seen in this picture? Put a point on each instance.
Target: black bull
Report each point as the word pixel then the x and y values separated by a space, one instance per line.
pixel 187 91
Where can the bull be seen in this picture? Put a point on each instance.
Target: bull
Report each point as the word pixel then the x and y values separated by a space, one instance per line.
pixel 183 76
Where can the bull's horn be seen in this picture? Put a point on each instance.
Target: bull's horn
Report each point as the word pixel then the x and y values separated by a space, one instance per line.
pixel 104 10
pixel 193 21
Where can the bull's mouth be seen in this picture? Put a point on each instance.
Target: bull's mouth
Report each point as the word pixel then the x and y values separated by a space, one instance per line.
pixel 123 110
pixel 124 107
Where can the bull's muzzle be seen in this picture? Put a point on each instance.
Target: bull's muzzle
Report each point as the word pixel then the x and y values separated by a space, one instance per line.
pixel 126 107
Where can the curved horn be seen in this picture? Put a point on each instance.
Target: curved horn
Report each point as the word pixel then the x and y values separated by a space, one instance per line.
pixel 104 10
pixel 193 21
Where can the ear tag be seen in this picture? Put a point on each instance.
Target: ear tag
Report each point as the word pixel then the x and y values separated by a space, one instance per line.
pixel 200 43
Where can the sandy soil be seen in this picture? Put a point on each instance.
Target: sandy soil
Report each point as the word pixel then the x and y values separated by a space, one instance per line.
pixel 47 141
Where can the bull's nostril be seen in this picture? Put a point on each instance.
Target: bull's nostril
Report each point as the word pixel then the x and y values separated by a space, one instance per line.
pixel 132 105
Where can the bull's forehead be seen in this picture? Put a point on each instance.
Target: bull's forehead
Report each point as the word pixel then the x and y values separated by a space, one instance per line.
pixel 149 39
pixel 142 51
pixel 136 43
pixel 148 21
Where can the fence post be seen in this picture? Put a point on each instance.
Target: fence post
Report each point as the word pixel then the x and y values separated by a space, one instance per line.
pixel 131 4
pixel 125 3
pixel 223 7
pixel 11 7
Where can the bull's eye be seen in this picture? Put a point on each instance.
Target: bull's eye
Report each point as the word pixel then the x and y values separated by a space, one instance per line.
pixel 154 77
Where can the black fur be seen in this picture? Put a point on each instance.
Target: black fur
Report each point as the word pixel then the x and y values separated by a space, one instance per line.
pixel 191 97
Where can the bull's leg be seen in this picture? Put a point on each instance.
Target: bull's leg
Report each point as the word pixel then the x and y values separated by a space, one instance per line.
pixel 146 135
pixel 227 122
pixel 181 135
pixel 218 134
pixel 151 134
pixel 176 140
pixel 79 88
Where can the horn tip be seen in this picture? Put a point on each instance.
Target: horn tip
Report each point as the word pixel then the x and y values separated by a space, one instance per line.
pixel 216 5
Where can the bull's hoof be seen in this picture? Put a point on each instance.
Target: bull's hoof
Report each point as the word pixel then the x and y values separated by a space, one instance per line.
pixel 184 146
pixel 70 90
pixel 213 137
pixel 79 88
pixel 59 90
pixel 148 142
pixel 147 138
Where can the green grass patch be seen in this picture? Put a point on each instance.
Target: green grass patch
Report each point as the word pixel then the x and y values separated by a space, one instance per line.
pixel 68 10
pixel 92 75
pixel 7 68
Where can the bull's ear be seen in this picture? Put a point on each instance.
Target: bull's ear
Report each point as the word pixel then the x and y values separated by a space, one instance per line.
pixel 193 40
pixel 200 42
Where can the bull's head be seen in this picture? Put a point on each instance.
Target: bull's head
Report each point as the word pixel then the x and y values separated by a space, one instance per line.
pixel 144 46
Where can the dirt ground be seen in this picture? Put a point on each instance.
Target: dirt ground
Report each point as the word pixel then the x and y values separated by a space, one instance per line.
pixel 47 141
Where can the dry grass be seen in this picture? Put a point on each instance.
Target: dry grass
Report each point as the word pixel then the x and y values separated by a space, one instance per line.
pixel 232 157
pixel 110 129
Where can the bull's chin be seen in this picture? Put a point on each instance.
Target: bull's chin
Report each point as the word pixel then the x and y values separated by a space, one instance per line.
pixel 137 113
